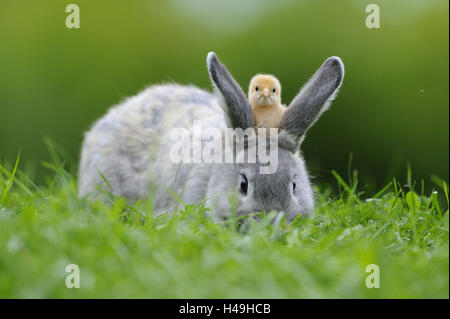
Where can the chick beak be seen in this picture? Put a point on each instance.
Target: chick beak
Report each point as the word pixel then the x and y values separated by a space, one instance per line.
pixel 266 92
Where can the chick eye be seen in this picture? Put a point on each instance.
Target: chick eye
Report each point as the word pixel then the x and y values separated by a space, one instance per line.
pixel 294 186
pixel 244 184
pixel 256 88
pixel 274 90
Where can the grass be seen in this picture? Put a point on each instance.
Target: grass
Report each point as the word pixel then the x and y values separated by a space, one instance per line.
pixel 125 252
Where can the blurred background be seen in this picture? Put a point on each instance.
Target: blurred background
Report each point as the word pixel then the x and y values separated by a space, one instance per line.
pixel 392 109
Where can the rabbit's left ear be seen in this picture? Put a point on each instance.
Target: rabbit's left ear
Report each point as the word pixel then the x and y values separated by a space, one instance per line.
pixel 313 99
pixel 236 106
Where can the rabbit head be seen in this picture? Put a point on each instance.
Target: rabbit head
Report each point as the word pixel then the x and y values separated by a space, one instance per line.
pixel 242 187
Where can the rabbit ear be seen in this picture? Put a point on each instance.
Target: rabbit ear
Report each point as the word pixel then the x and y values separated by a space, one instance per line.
pixel 236 106
pixel 313 99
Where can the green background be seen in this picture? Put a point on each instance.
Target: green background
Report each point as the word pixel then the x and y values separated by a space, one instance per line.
pixel 392 108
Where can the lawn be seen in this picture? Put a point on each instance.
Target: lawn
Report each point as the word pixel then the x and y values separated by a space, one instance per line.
pixel 124 252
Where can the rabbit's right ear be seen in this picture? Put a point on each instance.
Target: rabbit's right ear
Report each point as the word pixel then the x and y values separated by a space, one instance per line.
pixel 314 99
pixel 236 106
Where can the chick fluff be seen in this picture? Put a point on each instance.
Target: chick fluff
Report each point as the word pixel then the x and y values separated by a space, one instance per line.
pixel 264 95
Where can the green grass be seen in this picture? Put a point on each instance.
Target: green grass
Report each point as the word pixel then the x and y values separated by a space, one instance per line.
pixel 123 251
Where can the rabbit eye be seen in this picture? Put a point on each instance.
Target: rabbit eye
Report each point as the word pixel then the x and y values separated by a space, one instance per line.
pixel 294 186
pixel 244 184
pixel 256 88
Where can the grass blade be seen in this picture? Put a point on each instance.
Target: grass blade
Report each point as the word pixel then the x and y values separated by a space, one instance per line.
pixel 10 180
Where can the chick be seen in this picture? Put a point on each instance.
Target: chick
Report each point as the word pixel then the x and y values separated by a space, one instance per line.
pixel 264 95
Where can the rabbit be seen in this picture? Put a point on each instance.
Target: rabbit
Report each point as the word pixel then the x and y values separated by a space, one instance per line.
pixel 128 150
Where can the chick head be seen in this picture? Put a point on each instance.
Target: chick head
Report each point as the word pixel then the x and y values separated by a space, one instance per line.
pixel 264 89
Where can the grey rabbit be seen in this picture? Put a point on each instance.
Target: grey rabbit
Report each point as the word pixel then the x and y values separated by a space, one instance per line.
pixel 129 147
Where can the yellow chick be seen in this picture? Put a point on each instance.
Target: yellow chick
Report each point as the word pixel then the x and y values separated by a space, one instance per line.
pixel 264 95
